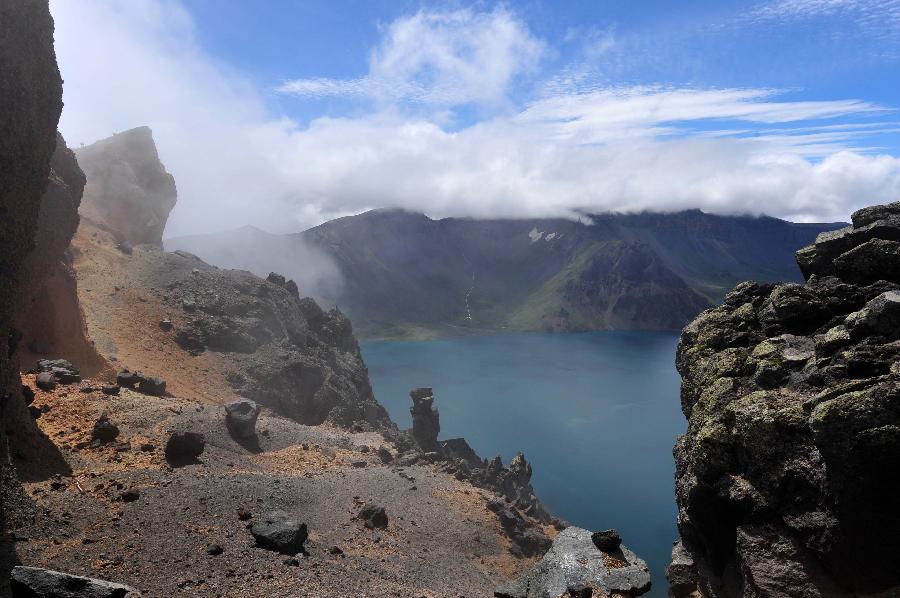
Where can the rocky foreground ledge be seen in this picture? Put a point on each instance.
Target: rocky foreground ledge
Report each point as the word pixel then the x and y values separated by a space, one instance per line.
pixel 788 477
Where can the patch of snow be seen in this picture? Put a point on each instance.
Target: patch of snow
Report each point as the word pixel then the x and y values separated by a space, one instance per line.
pixel 535 235
pixel 550 236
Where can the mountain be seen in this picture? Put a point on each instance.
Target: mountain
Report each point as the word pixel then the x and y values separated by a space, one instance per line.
pixel 404 274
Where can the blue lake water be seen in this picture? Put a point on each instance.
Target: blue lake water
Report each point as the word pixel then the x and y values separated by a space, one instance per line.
pixel 595 413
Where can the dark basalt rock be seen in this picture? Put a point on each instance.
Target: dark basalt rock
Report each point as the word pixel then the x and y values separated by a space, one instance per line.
pixel 62 371
pixel 374 516
pixel 240 417
pixel 34 582
pixel 280 532
pixel 153 386
pixel 528 539
pixel 184 447
pixel 426 421
pixel 104 430
pixel 575 567
pixel 786 479
pixel 45 381
pixel 607 540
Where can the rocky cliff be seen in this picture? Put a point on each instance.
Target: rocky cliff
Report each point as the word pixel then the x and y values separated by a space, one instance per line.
pixel 128 189
pixel 48 316
pixel 787 478
pixel 30 105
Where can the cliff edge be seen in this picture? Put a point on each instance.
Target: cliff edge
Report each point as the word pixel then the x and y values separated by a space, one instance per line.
pixel 787 478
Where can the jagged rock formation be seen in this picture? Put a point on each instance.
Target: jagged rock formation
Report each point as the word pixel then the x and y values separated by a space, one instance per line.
pixel 787 478
pixel 575 567
pixel 128 189
pixel 29 582
pixel 47 311
pixel 30 105
pixel 426 421
pixel 404 274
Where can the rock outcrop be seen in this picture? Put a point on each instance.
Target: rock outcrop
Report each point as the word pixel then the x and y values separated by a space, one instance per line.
pixel 787 477
pixel 128 189
pixel 47 311
pixel 575 567
pixel 30 105
pixel 426 421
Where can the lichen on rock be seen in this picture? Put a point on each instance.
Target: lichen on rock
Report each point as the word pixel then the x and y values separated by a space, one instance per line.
pixel 787 477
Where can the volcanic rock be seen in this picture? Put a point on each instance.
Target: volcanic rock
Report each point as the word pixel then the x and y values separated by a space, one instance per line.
pixel 280 532
pixel 34 582
pixel 240 417
pixel 104 430
pixel 573 565
pixel 607 540
pixel 152 386
pixel 426 421
pixel 374 516
pixel 785 479
pixel 45 381
pixel 184 447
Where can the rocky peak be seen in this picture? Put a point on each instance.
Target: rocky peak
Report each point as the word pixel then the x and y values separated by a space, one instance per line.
pixel 786 478
pixel 128 189
pixel 425 419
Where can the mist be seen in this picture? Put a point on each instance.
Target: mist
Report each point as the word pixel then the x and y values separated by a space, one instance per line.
pixel 249 248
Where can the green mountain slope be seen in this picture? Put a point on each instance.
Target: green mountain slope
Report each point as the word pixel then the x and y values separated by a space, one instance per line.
pixel 404 274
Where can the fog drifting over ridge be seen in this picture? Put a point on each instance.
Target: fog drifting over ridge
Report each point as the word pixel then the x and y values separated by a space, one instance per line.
pixel 574 147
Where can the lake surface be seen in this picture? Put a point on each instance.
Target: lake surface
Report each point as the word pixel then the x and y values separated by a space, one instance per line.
pixel 595 413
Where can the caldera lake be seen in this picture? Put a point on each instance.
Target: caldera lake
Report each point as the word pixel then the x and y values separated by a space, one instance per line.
pixel 595 413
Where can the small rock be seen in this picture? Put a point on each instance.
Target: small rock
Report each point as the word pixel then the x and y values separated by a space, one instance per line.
pixel 46 381
pixel 130 495
pixel 104 430
pixel 280 532
pixel 385 455
pixel 147 447
pixel 214 550
pixel 110 389
pixel 165 325
pixel 244 514
pixel 128 378
pixel 184 447
pixel 241 416
pixel 153 386
pixel 125 247
pixel 374 516
pixel 607 540
pixel 359 464
pixel 335 550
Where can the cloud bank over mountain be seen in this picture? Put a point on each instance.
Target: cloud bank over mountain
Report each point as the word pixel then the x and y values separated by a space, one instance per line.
pixel 462 112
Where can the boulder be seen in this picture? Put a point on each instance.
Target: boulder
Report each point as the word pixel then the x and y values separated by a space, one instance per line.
pixel 607 540
pixel 573 566
pixel 46 381
pixel 128 379
pixel 385 455
pixel 185 447
pixel 280 532
pixel 62 370
pixel 104 430
pixel 152 386
pixel 240 417
pixel 34 582
pixel 374 516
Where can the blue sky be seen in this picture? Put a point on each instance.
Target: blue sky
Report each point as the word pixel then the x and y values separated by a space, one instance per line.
pixel 284 114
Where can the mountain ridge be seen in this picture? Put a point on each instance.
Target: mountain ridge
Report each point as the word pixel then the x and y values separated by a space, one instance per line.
pixel 403 274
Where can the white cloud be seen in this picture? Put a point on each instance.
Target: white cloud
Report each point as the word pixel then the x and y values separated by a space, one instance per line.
pixel 721 150
pixel 443 58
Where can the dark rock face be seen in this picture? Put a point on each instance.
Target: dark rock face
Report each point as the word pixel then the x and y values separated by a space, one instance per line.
pixel 128 188
pixel 33 582
pixel 289 354
pixel 30 104
pixel 575 567
pixel 786 480
pixel 528 539
pixel 280 532
pixel 374 516
pixel 426 421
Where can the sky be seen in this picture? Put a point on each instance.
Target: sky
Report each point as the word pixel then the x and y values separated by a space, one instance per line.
pixel 284 114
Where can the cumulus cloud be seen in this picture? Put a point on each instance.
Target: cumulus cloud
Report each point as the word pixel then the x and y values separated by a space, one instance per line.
pixel 564 153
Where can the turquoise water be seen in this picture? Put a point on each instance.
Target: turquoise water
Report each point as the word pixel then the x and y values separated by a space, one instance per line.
pixel 595 413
